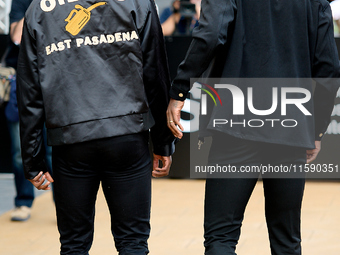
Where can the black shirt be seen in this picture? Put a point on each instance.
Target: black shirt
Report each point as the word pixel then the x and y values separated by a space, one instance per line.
pixel 266 39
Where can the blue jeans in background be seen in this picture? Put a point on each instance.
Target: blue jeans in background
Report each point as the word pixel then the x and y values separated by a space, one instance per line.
pixel 24 189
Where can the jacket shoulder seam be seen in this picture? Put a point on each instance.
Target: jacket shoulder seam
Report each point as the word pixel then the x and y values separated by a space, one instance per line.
pixel 324 5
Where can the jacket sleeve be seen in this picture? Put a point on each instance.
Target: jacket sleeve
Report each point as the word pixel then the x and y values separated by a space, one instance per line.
pixel 156 81
pixel 325 71
pixel 215 19
pixel 30 105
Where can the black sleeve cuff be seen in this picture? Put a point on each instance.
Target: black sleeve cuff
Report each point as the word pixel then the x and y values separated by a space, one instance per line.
pixel 31 172
pixel 165 150
pixel 177 94
pixel 319 136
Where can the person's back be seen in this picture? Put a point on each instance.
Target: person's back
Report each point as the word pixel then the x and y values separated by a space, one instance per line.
pixel 263 54
pixel 277 39
pixel 96 71
pixel 266 39
pixel 89 54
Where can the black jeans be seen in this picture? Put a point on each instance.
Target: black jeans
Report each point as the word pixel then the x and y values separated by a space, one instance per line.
pixel 226 199
pixel 123 166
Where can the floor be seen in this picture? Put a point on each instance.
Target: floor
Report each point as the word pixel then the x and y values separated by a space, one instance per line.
pixel 177 216
pixel 7 191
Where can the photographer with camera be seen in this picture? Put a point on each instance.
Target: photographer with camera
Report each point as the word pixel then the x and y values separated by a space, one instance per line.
pixel 181 17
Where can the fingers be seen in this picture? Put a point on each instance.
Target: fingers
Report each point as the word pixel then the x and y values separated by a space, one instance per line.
pixel 177 126
pixel 167 162
pixel 164 170
pixel 156 159
pixel 45 186
pixel 310 159
pixel 173 117
pixel 159 174
pixel 39 180
pixel 49 177
pixel 157 171
pixel 173 126
pixel 311 156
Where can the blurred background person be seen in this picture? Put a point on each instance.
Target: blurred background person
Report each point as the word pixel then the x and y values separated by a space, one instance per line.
pixel 24 189
pixel 181 17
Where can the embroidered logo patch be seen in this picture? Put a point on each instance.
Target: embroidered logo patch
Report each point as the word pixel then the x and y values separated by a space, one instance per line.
pixel 79 17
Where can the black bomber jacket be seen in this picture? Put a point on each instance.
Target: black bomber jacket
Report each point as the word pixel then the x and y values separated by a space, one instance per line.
pixel 91 69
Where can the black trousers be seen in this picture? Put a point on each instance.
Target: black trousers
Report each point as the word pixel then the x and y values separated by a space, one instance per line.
pixel 226 198
pixel 123 166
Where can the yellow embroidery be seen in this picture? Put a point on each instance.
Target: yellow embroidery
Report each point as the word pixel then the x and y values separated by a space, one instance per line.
pixel 77 19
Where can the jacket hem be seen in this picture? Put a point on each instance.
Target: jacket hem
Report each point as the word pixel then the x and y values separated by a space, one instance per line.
pixel 287 142
pixel 96 129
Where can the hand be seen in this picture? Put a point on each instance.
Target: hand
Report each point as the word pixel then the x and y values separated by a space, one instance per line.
pixel 173 115
pixel 164 171
pixel 311 154
pixel 38 181
pixel 16 31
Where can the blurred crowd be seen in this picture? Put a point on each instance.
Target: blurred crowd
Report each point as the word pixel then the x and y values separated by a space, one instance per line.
pixel 181 17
